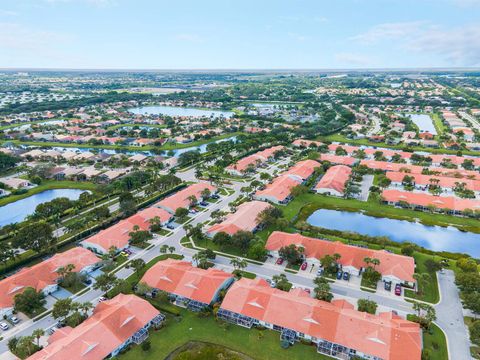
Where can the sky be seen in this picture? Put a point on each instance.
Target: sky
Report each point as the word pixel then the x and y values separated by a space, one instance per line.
pixel 241 34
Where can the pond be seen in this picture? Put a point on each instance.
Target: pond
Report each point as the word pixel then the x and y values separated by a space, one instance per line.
pixel 179 111
pixel 20 209
pixel 424 123
pixel 434 238
pixel 176 152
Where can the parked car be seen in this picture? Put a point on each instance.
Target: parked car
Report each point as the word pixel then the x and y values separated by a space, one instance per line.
pixel 170 226
pixel 102 298
pixel 124 253
pixel 204 203
pixel 398 290
pixel 388 285
pixel 346 276
pixel 215 196
pixel 279 261
pixel 14 320
pixel 339 274
pixel 128 251
pixel 319 272
pixel 4 326
pixel 308 290
pixel 51 331
pixel 87 281
pixel 60 325
pixel 304 266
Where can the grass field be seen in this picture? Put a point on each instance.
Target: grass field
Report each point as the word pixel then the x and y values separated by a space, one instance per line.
pixel 191 327
pixel 431 292
pixel 436 342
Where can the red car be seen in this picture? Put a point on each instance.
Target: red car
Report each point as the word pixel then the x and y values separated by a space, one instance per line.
pixel 398 290
pixel 304 266
pixel 279 261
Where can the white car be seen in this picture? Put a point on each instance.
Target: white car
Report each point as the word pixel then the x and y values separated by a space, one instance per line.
pixel 4 326
pixel 14 320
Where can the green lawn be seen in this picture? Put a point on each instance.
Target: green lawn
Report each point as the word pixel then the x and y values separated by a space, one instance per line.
pixel 192 327
pixel 439 125
pixel 430 293
pixel 434 339
pixel 49 185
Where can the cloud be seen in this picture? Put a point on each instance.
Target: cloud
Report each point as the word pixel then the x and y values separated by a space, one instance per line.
pixel 297 37
pixel 16 36
pixel 193 38
pixel 353 59
pixel 8 13
pixel 457 46
pixel 97 3
pixel 388 31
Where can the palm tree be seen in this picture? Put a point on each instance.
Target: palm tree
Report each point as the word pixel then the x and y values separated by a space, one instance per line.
pixel 375 262
pixel 85 307
pixel 37 334
pixel 171 249
pixel 163 249
pixel 238 264
pixel 367 261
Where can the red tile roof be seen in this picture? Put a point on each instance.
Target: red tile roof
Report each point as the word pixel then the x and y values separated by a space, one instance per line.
pixel 402 267
pixel 335 178
pixel 425 200
pixel 245 218
pixel 443 181
pixel 337 159
pixel 279 189
pixel 43 274
pixel 386 336
pixel 113 322
pixel 183 279
pixel 261 156
pixel 180 199
pixel 303 169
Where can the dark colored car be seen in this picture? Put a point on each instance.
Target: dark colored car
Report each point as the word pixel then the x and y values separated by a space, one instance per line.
pixel 398 290
pixel 279 261
pixel 388 285
pixel 346 276
pixel 339 274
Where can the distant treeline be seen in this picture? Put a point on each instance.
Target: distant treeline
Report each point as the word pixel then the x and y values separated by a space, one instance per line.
pixel 109 97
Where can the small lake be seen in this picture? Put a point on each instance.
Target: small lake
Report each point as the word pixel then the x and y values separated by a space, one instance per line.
pixel 179 111
pixel 434 238
pixel 20 209
pixel 424 123
pixel 176 152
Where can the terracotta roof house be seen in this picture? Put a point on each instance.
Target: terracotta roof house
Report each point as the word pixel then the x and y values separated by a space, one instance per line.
pixel 15 183
pixel 422 201
pixel 181 198
pixel 393 267
pixel 43 276
pixel 334 180
pixel 114 325
pixel 245 218
pixel 118 235
pixel 446 183
pixel 336 328
pixel 306 143
pixel 188 286
pixel 303 169
pixel 279 191
pixel 337 159
pixel 252 161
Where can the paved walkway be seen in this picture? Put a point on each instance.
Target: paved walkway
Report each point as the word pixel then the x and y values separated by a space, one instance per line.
pixel 450 317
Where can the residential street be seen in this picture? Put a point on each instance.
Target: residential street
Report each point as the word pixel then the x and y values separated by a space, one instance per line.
pixel 449 310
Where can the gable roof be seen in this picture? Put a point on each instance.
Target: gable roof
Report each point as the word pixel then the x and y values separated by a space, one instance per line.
pixel 400 266
pixel 112 323
pixel 245 218
pixel 335 178
pixel 181 278
pixel 43 274
pixel 180 198
pixel 386 336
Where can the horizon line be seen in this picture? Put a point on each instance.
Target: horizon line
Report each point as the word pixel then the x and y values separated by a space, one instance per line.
pixel 382 69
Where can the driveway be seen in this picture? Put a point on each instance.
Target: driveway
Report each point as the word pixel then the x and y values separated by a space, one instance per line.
pixel 450 317
pixel 365 185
